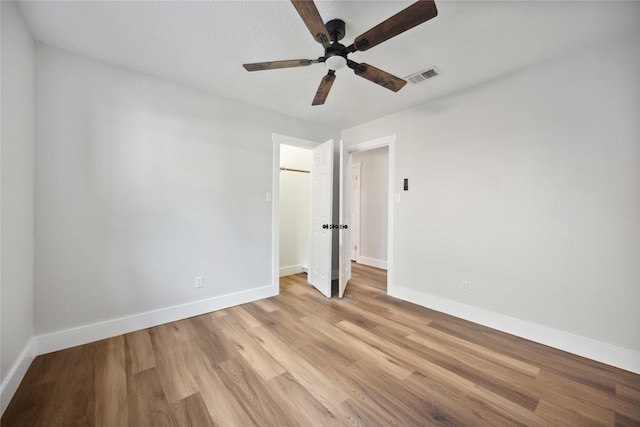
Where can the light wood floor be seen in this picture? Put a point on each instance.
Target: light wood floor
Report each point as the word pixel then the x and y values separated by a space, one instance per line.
pixel 300 359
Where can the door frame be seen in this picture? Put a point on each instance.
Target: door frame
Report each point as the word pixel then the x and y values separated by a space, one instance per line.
pixel 275 201
pixel 385 141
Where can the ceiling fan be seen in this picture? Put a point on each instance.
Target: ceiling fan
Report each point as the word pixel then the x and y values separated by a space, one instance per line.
pixel 335 54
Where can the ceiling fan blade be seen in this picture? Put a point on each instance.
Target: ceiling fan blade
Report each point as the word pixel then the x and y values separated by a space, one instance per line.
pixel 414 15
pixel 272 65
pixel 312 19
pixel 325 87
pixel 377 76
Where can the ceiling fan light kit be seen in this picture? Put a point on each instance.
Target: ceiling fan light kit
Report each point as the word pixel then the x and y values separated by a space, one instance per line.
pixel 335 53
pixel 335 62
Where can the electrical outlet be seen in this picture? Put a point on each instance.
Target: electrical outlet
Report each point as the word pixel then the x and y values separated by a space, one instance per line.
pixel 464 286
pixel 199 281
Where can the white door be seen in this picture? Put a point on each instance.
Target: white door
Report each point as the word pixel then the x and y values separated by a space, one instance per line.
pixel 345 219
pixel 321 218
pixel 355 211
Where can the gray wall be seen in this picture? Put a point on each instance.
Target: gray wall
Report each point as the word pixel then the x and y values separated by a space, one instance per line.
pixel 527 187
pixel 17 182
pixel 141 185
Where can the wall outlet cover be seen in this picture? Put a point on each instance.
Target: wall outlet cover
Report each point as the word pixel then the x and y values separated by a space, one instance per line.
pixel 464 286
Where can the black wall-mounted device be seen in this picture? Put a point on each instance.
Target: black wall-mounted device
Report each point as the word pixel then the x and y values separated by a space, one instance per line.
pixel 406 184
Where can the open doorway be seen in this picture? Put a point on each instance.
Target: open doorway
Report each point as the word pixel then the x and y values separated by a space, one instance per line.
pixel 378 153
pixel 278 268
pixel 369 209
pixel 320 193
pixel 295 209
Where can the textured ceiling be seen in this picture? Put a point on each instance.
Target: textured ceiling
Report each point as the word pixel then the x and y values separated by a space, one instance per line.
pixel 203 44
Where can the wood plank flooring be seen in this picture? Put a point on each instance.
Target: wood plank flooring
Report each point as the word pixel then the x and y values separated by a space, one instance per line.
pixel 300 359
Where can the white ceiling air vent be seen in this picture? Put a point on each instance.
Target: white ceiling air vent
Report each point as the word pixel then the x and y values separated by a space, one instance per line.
pixel 423 75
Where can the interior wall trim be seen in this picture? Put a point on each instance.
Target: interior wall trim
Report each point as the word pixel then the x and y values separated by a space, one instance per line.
pixel 16 374
pixel 609 354
pixel 97 331
pixel 372 262
pixel 291 269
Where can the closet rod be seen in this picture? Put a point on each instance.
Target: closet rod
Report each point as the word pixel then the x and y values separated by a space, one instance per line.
pixel 282 168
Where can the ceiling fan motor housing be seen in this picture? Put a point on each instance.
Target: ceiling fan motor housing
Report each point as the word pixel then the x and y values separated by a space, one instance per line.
pixel 335 55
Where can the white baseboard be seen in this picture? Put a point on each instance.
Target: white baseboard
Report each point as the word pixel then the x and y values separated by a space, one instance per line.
pixel 88 333
pixel 60 340
pixel 609 354
pixel 372 262
pixel 16 374
pixel 291 269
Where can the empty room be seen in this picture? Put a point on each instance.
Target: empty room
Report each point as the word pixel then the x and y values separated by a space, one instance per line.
pixel 294 213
